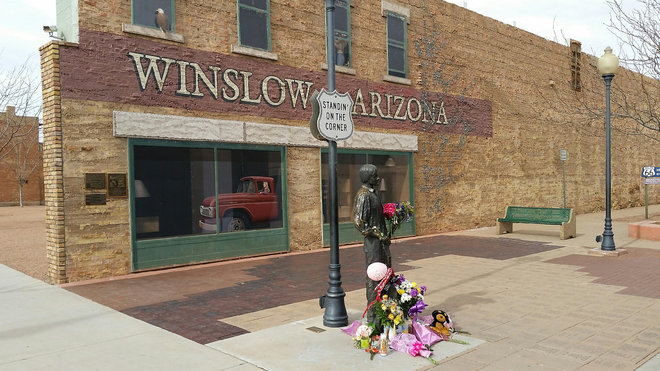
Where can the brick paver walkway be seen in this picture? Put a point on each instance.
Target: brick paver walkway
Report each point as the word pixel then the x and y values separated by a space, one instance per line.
pixel 638 271
pixel 190 302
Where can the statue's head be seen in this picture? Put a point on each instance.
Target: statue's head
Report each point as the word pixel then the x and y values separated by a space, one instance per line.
pixel 369 175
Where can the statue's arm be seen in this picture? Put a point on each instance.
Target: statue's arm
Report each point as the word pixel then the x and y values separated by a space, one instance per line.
pixel 362 218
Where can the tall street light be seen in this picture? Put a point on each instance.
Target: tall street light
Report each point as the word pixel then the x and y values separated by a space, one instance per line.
pixel 607 65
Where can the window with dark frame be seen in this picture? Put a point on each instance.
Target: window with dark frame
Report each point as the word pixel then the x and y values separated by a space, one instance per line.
pixel 176 194
pixel 392 169
pixel 576 54
pixel 254 24
pixel 396 45
pixel 342 33
pixel 144 12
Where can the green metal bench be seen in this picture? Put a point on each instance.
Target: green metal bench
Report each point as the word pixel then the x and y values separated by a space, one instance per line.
pixel 538 215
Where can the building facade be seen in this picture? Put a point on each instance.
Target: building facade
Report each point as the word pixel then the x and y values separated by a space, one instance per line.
pixel 160 137
pixel 20 160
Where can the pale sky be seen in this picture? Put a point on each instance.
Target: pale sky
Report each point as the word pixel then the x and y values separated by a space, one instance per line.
pixel 556 20
pixel 22 21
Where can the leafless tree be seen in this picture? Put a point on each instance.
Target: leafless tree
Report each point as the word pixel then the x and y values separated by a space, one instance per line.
pixel 635 93
pixel 19 128
pixel 638 33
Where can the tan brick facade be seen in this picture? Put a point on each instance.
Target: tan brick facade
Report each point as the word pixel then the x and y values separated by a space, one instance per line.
pixel 53 162
pixel 508 121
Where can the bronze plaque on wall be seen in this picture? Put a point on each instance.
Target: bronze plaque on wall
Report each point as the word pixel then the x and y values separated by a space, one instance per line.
pixel 95 199
pixel 94 180
pixel 117 186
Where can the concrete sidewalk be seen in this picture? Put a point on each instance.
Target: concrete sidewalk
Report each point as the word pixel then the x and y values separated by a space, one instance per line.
pixel 559 309
pixel 47 327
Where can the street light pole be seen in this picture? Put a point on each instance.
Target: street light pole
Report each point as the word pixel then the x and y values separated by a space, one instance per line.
pixel 607 65
pixel 333 301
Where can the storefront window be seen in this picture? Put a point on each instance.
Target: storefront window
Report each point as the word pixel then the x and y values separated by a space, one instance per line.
pixel 250 190
pixel 175 190
pixel 392 169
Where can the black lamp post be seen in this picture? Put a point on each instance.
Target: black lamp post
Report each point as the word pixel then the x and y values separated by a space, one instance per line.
pixel 607 65
pixel 333 301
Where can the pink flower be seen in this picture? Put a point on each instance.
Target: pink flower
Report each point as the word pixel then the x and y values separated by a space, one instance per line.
pixel 388 210
pixel 416 348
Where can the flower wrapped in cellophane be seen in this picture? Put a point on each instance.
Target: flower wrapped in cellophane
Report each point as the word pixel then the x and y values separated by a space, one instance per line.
pixel 395 214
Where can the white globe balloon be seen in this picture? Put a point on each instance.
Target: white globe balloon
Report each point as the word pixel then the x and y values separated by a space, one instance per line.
pixel 376 271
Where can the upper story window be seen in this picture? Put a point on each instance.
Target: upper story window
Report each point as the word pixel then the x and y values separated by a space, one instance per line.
pixel 342 33
pixel 397 64
pixel 144 13
pixel 254 24
pixel 576 54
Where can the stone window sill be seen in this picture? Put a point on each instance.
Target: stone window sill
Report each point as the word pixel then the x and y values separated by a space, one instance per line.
pixel 340 69
pixel 254 52
pixel 151 32
pixel 397 80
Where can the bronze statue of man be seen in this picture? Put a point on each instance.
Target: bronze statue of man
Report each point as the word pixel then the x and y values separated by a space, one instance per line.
pixel 369 220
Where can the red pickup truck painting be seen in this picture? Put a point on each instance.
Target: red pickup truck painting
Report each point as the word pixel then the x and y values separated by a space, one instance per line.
pixel 254 201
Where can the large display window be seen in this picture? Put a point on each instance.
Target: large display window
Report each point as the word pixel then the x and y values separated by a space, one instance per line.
pixel 197 202
pixel 395 171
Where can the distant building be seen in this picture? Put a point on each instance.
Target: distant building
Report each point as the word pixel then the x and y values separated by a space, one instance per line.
pixel 24 129
pixel 145 124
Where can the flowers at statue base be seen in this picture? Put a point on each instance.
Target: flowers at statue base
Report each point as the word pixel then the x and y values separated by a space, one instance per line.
pixel 396 213
pixel 410 296
pixel 397 320
pixel 389 312
pixel 362 334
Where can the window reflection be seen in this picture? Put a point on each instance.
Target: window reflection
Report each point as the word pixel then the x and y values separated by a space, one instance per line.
pixel 392 169
pixel 173 183
pixel 175 190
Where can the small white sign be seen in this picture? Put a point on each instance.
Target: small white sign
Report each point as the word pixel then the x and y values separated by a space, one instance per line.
pixel 563 154
pixel 334 120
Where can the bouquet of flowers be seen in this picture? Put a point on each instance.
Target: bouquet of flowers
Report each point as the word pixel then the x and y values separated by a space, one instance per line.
pixel 389 312
pixel 410 296
pixel 362 336
pixel 396 213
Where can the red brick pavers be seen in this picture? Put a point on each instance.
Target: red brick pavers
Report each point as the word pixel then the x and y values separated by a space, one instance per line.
pixel 638 270
pixel 190 302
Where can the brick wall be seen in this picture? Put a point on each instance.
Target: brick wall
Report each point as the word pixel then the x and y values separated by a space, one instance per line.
pixel 27 128
pixel 461 180
pixel 52 162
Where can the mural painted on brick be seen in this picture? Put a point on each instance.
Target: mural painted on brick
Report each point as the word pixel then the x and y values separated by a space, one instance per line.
pixel 143 72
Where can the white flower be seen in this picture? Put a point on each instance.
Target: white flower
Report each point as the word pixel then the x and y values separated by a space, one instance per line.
pixel 363 331
pixel 405 298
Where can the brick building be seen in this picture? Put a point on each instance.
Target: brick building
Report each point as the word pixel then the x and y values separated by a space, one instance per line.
pixel 462 114
pixel 21 158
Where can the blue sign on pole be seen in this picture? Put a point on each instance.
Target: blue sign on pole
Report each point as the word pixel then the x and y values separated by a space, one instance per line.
pixel 651 172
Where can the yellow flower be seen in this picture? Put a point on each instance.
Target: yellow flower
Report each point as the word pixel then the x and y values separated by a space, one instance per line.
pixel 397 321
pixel 384 297
pixel 400 291
pixel 383 307
pixel 414 284
pixel 393 308
pixel 391 316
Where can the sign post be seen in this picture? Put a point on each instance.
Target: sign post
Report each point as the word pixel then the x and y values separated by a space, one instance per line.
pixel 563 155
pixel 331 117
pixel 651 175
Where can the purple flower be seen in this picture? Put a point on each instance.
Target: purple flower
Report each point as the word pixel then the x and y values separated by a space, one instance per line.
pixel 413 292
pixel 423 288
pixel 417 308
